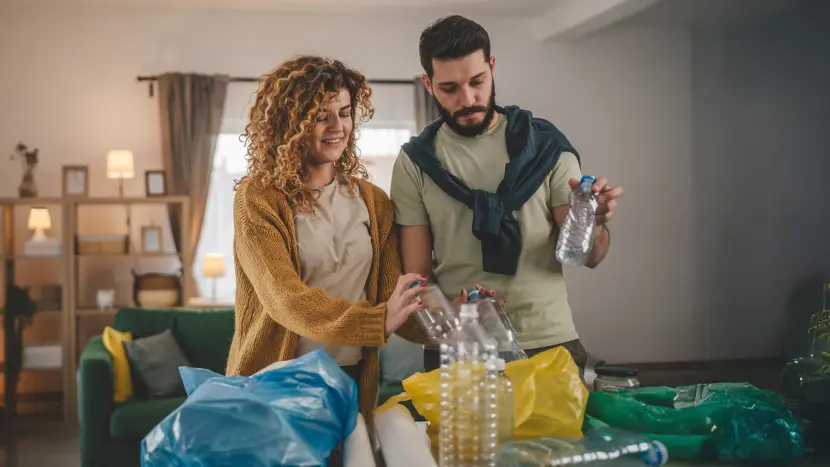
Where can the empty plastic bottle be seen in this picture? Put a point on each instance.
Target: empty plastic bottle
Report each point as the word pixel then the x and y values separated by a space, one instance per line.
pixel 492 316
pixel 437 317
pixel 506 403
pixel 604 447
pixel 576 236
pixel 468 427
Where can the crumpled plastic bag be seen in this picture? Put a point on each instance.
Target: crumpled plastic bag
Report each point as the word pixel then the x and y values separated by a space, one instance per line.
pixel 723 421
pixel 292 415
pixel 550 397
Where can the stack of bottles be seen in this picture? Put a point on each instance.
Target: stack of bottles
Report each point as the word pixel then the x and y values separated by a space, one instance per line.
pixel 476 396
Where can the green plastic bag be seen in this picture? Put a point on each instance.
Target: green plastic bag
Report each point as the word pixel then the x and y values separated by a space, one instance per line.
pixel 721 421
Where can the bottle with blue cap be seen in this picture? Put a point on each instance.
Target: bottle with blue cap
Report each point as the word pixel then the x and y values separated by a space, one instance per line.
pixel 576 235
pixel 602 447
pixel 493 317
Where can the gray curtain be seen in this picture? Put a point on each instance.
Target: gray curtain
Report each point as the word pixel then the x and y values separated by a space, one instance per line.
pixel 425 109
pixel 191 108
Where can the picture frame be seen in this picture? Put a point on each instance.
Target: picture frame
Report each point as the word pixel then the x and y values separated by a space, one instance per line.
pixel 151 239
pixel 75 180
pixel 154 183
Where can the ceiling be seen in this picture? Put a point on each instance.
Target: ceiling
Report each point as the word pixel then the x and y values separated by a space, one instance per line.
pixel 512 7
pixel 697 13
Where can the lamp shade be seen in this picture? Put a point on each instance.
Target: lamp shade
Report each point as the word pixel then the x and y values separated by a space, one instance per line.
pixel 39 219
pixel 213 265
pixel 120 164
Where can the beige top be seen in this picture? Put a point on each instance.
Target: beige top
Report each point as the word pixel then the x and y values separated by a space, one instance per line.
pixel 537 301
pixel 336 256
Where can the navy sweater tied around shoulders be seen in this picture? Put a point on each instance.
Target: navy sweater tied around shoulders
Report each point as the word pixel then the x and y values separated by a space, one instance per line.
pixel 533 146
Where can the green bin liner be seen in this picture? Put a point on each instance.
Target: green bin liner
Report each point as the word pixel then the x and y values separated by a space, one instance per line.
pixel 718 421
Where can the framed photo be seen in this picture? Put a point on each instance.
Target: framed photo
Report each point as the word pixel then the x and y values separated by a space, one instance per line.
pixel 154 183
pixel 75 180
pixel 151 239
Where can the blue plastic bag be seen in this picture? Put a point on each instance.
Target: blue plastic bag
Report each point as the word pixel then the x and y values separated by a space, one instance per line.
pixel 291 416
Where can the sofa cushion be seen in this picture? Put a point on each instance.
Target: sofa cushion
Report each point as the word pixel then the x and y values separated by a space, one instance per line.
pixel 122 377
pixel 136 418
pixel 157 359
pixel 205 336
pixel 143 322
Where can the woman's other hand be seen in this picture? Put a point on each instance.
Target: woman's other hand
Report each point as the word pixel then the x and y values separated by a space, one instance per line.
pixel 402 304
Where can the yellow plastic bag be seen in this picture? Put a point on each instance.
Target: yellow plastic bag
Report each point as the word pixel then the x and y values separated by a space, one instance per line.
pixel 550 397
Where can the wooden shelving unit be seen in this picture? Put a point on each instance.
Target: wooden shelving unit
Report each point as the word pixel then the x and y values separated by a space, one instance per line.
pixel 78 321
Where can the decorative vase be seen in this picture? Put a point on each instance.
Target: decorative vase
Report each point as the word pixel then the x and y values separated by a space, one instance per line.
pixel 28 188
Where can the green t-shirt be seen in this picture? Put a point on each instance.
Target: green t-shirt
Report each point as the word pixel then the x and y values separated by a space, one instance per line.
pixel 537 302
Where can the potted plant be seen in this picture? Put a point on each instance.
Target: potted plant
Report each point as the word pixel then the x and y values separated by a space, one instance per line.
pixel 17 315
pixel 806 380
pixel 29 159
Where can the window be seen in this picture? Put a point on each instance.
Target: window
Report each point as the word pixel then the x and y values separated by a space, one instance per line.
pixel 229 165
pixel 378 148
pixel 379 142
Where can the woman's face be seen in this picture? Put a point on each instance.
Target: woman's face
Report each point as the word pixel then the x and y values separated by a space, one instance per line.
pixel 332 129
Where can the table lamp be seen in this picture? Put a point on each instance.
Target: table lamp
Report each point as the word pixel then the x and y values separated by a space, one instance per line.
pixel 120 166
pixel 39 221
pixel 213 267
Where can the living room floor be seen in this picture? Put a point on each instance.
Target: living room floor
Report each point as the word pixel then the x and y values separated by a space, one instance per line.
pixel 50 444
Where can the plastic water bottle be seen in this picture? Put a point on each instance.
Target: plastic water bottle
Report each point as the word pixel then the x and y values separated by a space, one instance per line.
pixel 576 236
pixel 507 403
pixel 468 427
pixel 492 316
pixel 604 447
pixel 437 317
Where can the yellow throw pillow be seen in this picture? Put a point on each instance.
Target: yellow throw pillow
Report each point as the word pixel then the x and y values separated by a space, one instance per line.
pixel 122 380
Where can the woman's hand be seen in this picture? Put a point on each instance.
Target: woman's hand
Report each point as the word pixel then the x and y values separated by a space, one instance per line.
pixel 402 304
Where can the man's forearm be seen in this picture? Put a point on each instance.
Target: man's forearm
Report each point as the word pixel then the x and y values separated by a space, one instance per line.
pixel 602 242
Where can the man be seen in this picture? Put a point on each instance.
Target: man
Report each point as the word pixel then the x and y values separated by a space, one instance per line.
pixel 468 217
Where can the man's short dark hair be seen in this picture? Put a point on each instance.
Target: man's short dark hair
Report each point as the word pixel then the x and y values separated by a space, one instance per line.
pixel 452 37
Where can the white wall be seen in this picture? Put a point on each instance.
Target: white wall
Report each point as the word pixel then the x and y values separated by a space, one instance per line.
pixel 623 97
pixel 761 157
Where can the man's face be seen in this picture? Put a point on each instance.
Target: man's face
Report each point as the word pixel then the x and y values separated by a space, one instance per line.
pixel 465 92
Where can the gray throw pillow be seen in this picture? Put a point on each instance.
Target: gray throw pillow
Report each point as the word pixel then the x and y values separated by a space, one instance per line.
pixel 156 360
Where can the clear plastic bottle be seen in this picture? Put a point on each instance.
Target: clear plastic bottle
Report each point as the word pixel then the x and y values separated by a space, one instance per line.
pixel 576 236
pixel 468 427
pixel 507 403
pixel 437 317
pixel 603 447
pixel 492 316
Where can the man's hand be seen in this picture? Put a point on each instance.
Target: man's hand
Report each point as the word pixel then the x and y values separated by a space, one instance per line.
pixel 462 297
pixel 606 198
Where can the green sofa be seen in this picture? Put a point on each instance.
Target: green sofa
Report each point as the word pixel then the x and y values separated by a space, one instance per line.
pixel 111 433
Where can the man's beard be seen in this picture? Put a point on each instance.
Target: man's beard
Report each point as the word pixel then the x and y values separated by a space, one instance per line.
pixel 472 129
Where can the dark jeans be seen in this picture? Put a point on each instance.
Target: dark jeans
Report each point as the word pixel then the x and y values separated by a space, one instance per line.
pixel 432 357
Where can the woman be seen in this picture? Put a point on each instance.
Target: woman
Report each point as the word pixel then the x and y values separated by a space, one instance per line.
pixel 316 254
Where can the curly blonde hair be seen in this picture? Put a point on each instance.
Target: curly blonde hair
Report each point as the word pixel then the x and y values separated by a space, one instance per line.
pixel 282 119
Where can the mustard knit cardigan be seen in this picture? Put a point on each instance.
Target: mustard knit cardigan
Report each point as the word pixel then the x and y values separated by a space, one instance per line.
pixel 274 307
